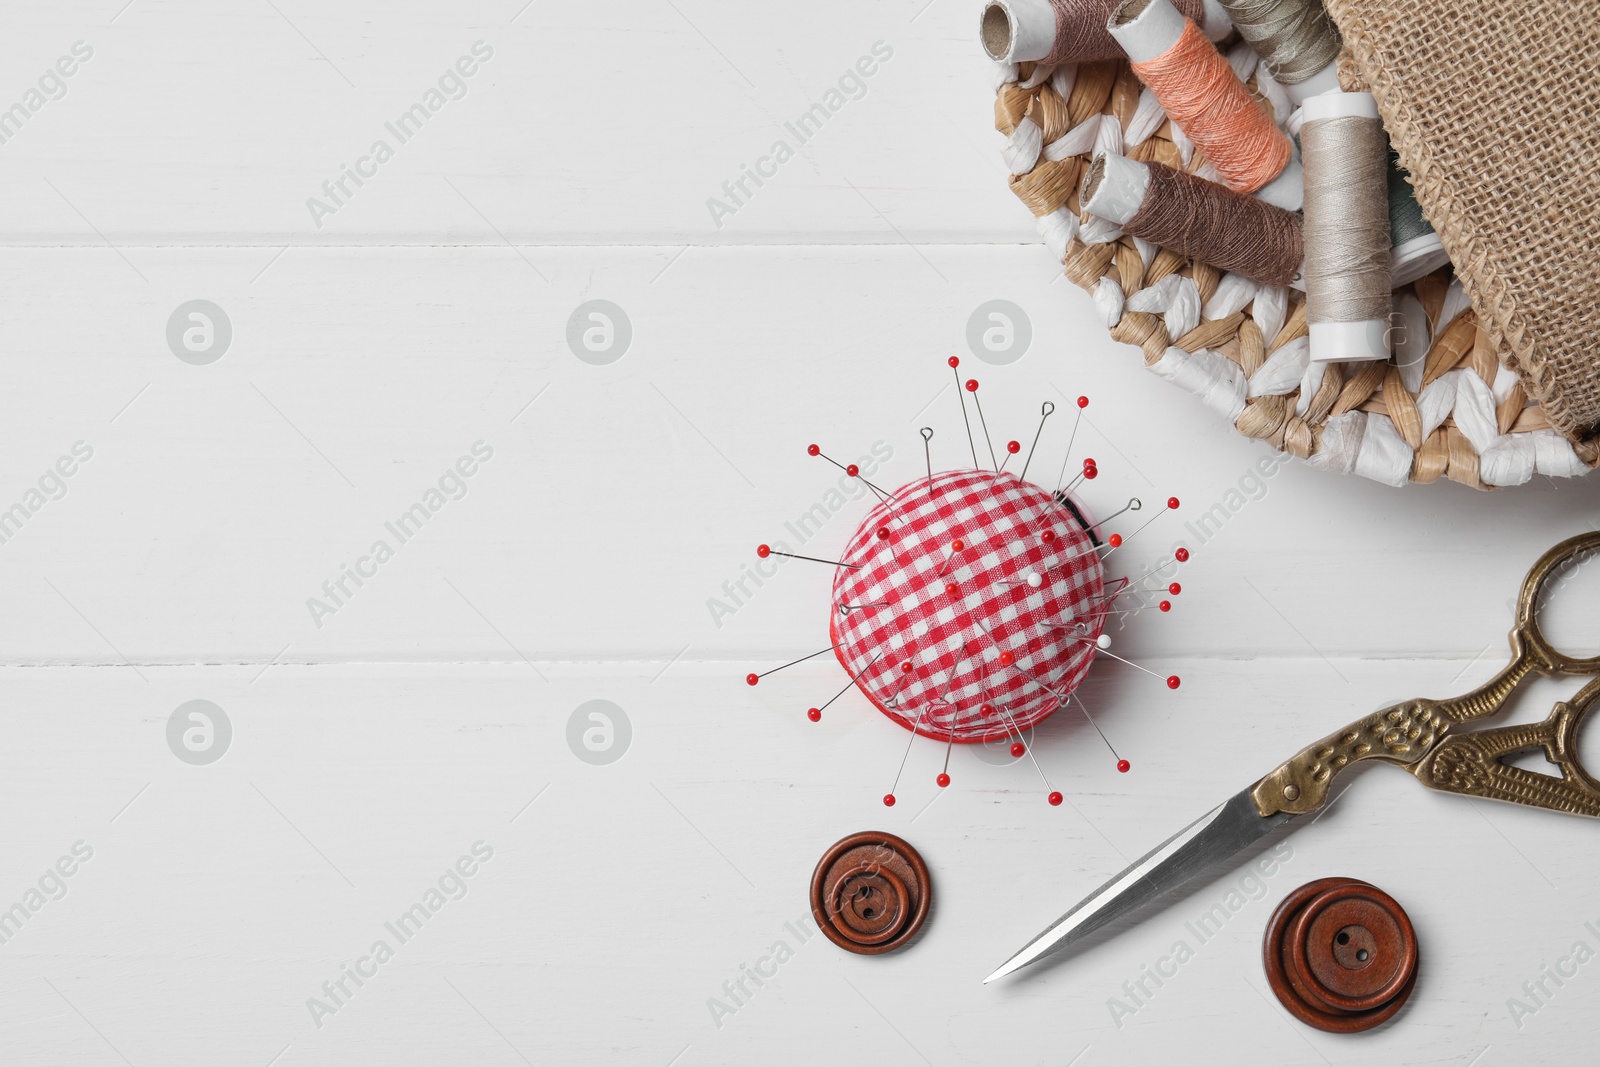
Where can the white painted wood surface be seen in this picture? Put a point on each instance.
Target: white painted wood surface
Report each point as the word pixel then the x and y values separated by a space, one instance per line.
pixel 371 751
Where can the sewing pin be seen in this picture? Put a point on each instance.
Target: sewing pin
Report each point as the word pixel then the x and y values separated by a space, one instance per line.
pixel 1172 680
pixel 1053 796
pixel 814 714
pixel 1123 765
pixel 849 468
pixel 927 454
pixel 767 550
pixel 752 679
pixel 954 364
pixel 1172 505
pixel 1083 402
pixel 888 798
pixel 1134 504
pixel 972 387
pixel 1045 411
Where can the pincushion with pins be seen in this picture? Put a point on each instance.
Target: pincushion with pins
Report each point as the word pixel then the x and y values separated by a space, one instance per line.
pixel 969 605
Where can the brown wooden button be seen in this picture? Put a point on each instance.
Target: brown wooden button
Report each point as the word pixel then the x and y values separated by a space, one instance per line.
pixel 1341 955
pixel 870 892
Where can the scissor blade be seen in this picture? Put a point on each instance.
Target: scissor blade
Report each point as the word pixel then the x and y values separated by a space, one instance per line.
pixel 1220 832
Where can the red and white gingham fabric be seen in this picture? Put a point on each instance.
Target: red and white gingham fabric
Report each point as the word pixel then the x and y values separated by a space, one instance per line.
pixel 895 609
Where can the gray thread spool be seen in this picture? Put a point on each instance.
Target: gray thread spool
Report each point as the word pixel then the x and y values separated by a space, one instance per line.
pixel 1295 39
pixel 1346 227
pixel 1414 247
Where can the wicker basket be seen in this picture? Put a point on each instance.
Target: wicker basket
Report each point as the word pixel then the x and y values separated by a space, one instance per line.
pixel 1442 405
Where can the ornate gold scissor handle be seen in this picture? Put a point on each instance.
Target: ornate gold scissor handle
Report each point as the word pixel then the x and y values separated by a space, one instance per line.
pixel 1423 735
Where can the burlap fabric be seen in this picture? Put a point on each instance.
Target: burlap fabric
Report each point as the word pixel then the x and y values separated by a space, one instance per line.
pixel 1494 108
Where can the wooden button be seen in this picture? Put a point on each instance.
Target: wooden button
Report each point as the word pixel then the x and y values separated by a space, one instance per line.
pixel 870 892
pixel 1341 955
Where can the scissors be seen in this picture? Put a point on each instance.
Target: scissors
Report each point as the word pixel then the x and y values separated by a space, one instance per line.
pixel 1429 738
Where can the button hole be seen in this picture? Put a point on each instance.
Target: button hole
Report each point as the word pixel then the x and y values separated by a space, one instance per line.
pixel 1344 939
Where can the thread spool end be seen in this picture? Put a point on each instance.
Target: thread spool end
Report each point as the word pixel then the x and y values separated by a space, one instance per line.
pixel 1114 187
pixel 1288 189
pixel 1349 341
pixel 1146 29
pixel 1017 31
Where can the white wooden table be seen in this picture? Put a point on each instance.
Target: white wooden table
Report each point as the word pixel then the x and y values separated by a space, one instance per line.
pixel 375 743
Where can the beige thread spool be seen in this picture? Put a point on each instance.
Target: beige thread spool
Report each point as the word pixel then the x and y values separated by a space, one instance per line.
pixel 1346 228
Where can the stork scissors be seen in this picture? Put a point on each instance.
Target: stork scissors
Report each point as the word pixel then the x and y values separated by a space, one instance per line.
pixel 1429 738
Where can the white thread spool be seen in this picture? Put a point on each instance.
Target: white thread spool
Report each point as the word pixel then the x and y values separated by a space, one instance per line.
pixel 1150 34
pixel 1366 339
pixel 1024 31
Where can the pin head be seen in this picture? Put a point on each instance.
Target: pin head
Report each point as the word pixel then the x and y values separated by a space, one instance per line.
pixel 1055 799
pixel 883 533
pixel 888 798
pixel 1048 537
pixel 852 470
pixel 763 551
pixel 1123 766
pixel 1103 641
pixel 813 450
pixel 957 545
pixel 986 710
pixel 1007 659
pixel 1165 605
pixel 1083 402
pixel 953 361
pixel 972 385
pixel 1115 540
pixel 1017 749
pixel 1182 555
pixel 814 714
pixel 1013 447
pixel 1035 579
pixel 943 780
pixel 1172 502
pixel 751 679
pixel 1174 588
pixel 1173 682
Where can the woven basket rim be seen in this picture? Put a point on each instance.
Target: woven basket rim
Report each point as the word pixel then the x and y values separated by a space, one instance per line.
pixel 1492 433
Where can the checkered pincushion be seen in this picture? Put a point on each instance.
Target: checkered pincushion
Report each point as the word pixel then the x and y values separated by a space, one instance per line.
pixel 938 635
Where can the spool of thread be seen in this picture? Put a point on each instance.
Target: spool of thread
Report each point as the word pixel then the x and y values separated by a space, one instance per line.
pixel 1201 93
pixel 1071 31
pixel 1346 227
pixel 1295 39
pixel 1414 247
pixel 1198 219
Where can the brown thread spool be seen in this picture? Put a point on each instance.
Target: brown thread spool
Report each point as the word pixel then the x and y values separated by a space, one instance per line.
pixel 1071 31
pixel 1198 219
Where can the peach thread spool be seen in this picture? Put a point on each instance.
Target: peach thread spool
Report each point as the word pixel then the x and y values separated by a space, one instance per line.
pixel 1072 31
pixel 1199 90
